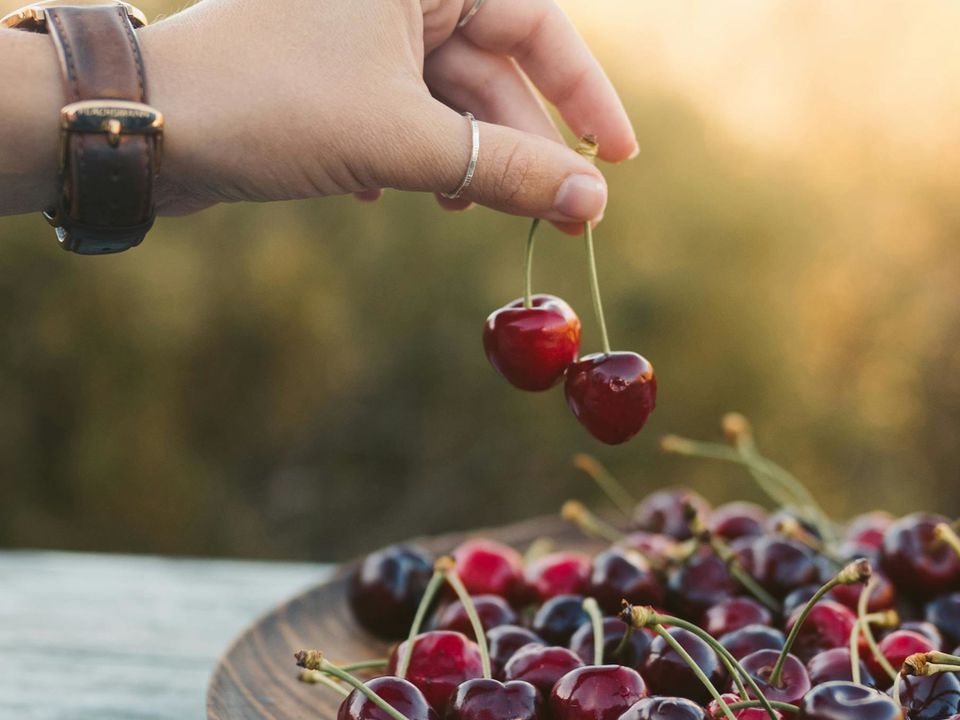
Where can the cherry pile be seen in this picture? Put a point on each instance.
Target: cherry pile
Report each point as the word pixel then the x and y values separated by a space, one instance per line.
pixel 688 612
pixel 534 343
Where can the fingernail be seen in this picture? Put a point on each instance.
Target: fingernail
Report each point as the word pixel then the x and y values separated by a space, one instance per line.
pixel 580 197
pixel 636 151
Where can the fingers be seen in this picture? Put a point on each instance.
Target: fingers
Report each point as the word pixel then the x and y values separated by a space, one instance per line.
pixel 552 53
pixel 368 195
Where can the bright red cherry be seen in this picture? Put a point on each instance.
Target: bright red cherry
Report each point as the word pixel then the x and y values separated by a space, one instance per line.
pixel 665 512
pixel 503 643
pixel 668 674
pixel 834 664
pixel 734 613
pixel 541 666
pixel 920 564
pixel 482 699
pixel 492 610
pixel 847 701
pixel 487 567
pixel 560 573
pixel 399 694
pixel 897 647
pixel 664 708
pixel 618 575
pixel 386 589
pixel 596 692
pixel 928 630
pixel 612 395
pixel 633 654
pixel 532 347
pixel 828 625
pixel 441 661
pixel 882 597
pixel 737 519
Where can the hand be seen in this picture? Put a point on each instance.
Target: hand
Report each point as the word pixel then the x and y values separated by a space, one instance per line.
pixel 301 98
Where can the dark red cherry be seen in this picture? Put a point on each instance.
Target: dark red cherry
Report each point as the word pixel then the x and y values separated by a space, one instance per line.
pixel 399 694
pixel 834 664
pixel 541 666
pixel 658 548
pixel 611 395
pixel 596 692
pixel 386 589
pixel 560 573
pixel 734 613
pixel 778 564
pixel 665 512
pixel 828 625
pixel 532 347
pixel 632 654
pixel 487 567
pixel 737 519
pixel 441 661
pixel 930 698
pixel 919 564
pixel 558 618
pixel 618 574
pixel 928 630
pixel 667 673
pixel 492 610
pixel 700 582
pixel 799 597
pixel 664 708
pixel 842 700
pixel 882 597
pixel 751 638
pixel 794 681
pixel 868 528
pixel 944 612
pixel 504 641
pixel 482 699
pixel 897 647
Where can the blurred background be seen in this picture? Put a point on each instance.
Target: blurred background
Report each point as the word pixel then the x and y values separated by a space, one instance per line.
pixel 306 380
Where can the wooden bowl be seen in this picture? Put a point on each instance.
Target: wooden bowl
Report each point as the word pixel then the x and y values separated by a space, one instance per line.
pixel 256 679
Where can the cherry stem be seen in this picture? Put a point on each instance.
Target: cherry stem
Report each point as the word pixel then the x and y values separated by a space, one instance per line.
pixel 589 524
pixel 624 642
pixel 315 677
pixel 775 704
pixel 377 664
pixel 646 616
pixel 596 620
pixel 458 587
pixel 539 548
pixel 685 656
pixel 587 147
pixel 436 580
pixel 856 572
pixel 888 618
pixel 610 486
pixel 314 660
pixel 945 533
pixel 528 266
pixel 868 631
pixel 896 691
pixel 942 657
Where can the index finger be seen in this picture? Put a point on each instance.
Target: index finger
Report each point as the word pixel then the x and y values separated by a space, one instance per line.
pixel 548 47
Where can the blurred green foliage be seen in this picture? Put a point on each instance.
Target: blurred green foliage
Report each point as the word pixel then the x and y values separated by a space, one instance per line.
pixel 307 379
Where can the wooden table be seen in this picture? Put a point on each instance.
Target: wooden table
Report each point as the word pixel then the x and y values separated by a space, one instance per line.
pixel 112 637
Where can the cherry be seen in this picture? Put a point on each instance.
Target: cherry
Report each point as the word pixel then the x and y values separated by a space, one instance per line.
pixel 882 597
pixel 715 712
pixel 916 561
pixel 632 655
pixel 734 613
pixel 798 598
pixel 483 699
pixel 665 512
pixel 596 692
pixel 664 708
pixel 399 694
pixel 842 700
pixel 504 641
pixel 487 567
pixel 541 666
pixel 868 529
pixel 701 582
pixel 944 612
pixel 618 575
pixel 386 589
pixel 492 610
pixel 778 564
pixel 834 664
pixel 560 573
pixel 558 618
pixel 656 547
pixel 828 625
pixel 794 681
pixel 927 629
pixel 897 647
pixel 751 638
pixel 611 394
pixel 532 347
pixel 737 519
pixel 668 674
pixel 930 698
pixel 441 661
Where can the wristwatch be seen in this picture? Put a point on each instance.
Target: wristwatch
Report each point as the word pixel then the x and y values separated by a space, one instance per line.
pixel 110 139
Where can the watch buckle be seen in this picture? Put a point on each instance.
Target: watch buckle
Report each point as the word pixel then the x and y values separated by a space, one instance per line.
pixel 34 17
pixel 114 118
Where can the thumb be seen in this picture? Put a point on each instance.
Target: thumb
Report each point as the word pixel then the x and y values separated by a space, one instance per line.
pixel 516 172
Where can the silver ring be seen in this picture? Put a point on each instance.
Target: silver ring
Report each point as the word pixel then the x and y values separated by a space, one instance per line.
pixel 474 154
pixel 477 4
